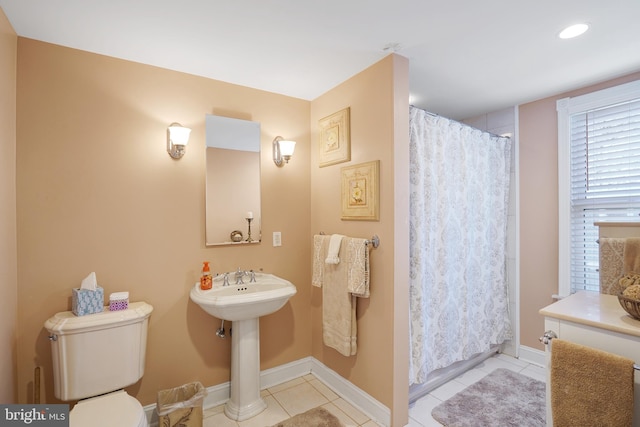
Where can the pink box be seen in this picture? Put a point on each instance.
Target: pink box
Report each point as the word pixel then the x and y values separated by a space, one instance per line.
pixel 119 301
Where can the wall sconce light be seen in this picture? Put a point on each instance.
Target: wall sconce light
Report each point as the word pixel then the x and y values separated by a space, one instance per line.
pixel 282 150
pixel 177 140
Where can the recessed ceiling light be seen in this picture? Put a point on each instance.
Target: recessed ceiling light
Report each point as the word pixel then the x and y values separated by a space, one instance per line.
pixel 573 31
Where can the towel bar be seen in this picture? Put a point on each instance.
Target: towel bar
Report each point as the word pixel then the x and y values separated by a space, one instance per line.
pixel 549 335
pixel 374 241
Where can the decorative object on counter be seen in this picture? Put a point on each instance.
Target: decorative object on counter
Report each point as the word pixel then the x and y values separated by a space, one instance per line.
pixel 236 236
pixel 335 138
pixel 360 191
pixel 629 297
pixel 282 150
pixel 206 281
pixel 249 218
pixel 177 140
pixel 89 298
pixel 118 301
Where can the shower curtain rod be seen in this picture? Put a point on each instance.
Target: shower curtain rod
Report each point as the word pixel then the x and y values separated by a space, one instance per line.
pixel 459 122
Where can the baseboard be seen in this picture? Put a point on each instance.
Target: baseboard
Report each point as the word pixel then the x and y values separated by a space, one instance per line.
pixel 532 355
pixel 352 394
pixel 218 394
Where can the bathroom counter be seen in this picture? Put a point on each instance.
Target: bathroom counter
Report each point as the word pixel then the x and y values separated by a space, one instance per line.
pixel 594 320
pixel 594 309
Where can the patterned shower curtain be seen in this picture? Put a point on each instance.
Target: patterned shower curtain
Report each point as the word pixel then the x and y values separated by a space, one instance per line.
pixel 459 191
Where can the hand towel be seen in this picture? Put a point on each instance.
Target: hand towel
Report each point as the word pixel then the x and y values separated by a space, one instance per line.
pixel 358 263
pixel 318 259
pixel 632 255
pixel 611 264
pixel 334 249
pixel 339 326
pixel 590 387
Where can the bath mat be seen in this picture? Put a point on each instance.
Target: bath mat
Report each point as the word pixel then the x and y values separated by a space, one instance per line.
pixel 316 417
pixel 502 398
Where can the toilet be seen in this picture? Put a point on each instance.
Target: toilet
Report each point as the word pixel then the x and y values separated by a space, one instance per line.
pixel 94 358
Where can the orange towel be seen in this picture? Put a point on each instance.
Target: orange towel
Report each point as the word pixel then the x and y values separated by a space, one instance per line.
pixel 590 387
pixel 632 255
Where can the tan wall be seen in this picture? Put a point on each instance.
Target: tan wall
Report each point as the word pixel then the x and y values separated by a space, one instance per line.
pixel 539 208
pixel 371 96
pixel 8 261
pixel 97 191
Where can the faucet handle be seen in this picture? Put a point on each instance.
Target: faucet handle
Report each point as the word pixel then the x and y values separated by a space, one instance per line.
pixel 253 276
pixel 225 281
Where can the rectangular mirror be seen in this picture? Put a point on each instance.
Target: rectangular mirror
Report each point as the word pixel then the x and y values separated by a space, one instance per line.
pixel 232 181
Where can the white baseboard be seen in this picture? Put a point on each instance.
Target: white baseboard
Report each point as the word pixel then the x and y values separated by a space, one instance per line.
pixel 219 394
pixel 532 355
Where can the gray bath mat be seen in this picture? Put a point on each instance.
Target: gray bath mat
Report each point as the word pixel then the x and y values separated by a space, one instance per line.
pixel 317 417
pixel 501 399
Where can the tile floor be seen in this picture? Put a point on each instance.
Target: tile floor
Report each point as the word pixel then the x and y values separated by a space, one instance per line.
pixel 291 398
pixel 301 394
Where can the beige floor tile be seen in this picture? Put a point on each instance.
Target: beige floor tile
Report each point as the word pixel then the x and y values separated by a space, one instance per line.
pixel 218 420
pixel 322 388
pixel 213 411
pixel 270 416
pixel 298 399
pixel 351 411
pixel 339 414
pixel 286 385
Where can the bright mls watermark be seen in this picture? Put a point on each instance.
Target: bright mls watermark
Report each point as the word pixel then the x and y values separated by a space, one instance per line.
pixel 34 415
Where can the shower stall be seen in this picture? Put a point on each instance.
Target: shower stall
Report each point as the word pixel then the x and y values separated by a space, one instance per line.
pixel 463 252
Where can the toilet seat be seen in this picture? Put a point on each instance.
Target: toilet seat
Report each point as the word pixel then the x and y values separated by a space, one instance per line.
pixel 113 409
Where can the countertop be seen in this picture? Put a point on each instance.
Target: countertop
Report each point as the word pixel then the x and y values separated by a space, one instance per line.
pixel 594 309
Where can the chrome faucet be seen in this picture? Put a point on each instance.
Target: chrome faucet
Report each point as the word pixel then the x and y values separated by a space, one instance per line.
pixel 239 275
pixel 225 281
pixel 253 276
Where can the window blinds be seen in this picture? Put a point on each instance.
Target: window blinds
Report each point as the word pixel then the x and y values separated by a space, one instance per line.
pixel 605 181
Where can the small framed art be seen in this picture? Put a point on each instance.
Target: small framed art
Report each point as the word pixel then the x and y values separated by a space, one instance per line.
pixel 360 191
pixel 335 138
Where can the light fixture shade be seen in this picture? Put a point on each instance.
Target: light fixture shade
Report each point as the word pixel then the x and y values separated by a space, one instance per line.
pixel 177 140
pixel 179 135
pixel 287 148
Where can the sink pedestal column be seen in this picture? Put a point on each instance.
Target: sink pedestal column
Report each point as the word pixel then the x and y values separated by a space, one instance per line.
pixel 245 401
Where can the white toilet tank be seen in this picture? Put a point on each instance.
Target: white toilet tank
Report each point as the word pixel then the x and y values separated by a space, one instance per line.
pixel 98 353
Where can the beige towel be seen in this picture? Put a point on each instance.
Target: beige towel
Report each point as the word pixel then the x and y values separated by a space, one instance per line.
pixel 333 254
pixel 632 255
pixel 341 284
pixel 358 262
pixel 590 387
pixel 611 264
pixel 318 260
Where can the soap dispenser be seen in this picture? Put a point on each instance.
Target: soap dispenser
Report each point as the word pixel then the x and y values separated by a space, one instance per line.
pixel 206 281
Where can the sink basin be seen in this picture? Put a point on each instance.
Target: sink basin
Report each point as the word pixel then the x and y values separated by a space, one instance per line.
pixel 250 300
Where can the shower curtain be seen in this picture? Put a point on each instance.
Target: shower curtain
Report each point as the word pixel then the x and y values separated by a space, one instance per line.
pixel 459 191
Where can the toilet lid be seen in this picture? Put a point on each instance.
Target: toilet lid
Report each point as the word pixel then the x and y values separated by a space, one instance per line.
pixel 113 409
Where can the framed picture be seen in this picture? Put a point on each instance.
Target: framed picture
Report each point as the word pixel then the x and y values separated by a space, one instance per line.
pixel 361 191
pixel 335 138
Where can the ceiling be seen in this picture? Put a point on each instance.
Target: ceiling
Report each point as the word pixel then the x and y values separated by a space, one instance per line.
pixel 466 57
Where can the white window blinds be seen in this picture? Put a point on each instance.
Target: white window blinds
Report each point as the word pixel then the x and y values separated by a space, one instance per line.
pixel 605 181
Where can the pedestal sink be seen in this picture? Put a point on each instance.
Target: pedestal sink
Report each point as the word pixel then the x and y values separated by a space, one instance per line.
pixel 244 304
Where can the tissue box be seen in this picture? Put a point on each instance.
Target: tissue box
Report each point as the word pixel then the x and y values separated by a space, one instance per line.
pixel 119 301
pixel 86 301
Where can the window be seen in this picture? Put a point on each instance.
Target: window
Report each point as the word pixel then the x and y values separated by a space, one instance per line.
pixel 598 174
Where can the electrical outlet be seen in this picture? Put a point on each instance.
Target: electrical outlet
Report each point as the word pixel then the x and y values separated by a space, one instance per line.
pixel 277 238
